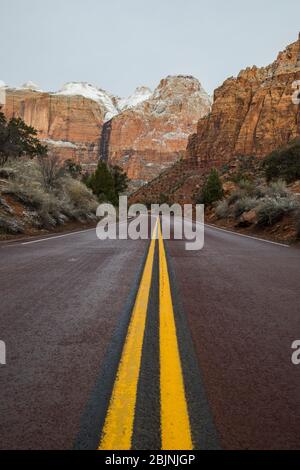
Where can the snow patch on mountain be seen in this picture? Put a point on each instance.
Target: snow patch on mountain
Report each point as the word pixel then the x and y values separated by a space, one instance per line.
pixel 112 104
pixel 92 93
pixel 59 143
pixel 30 86
pixel 175 135
pixel 141 94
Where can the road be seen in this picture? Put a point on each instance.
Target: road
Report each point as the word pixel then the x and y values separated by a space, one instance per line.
pixel 195 346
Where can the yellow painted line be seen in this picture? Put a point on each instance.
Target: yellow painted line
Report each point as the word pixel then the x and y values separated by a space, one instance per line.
pixel 175 423
pixel 118 426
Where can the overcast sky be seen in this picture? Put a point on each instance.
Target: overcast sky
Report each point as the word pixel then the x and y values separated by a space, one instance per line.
pixel 120 44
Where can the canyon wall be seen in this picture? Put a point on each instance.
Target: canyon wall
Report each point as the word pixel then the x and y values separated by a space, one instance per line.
pixel 253 113
pixel 70 124
pixel 144 133
pixel 149 137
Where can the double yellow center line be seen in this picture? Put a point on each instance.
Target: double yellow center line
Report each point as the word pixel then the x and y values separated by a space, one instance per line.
pixel 175 424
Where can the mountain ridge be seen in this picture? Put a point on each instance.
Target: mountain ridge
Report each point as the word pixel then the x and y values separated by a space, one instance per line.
pixel 73 121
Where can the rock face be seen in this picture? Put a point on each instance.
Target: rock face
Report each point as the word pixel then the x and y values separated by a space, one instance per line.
pixel 70 124
pixel 252 114
pixel 149 137
pixel 143 133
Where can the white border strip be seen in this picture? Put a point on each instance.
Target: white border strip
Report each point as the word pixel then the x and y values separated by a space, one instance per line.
pixel 247 236
pixel 57 236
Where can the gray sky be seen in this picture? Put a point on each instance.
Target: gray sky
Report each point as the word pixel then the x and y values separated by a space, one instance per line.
pixel 120 44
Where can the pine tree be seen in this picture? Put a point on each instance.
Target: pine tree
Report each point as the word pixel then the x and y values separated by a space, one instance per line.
pixel 212 190
pixel 18 139
pixel 120 179
pixel 107 183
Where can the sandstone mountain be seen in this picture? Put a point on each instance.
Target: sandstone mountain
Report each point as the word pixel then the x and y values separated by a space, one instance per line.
pixel 143 133
pixel 152 135
pixel 251 115
pixel 70 121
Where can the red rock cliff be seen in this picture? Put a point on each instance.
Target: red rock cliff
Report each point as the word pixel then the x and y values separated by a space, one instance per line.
pixel 70 124
pixel 152 135
pixel 251 114
pixel 143 133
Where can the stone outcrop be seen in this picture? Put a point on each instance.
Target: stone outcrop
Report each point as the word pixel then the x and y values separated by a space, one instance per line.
pixel 70 124
pixel 149 137
pixel 253 113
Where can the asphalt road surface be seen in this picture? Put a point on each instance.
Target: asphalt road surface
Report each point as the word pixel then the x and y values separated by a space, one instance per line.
pixel 144 345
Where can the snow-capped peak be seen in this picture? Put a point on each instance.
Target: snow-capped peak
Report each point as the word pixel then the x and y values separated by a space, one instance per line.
pixel 30 86
pixel 93 93
pixel 141 94
pixel 112 104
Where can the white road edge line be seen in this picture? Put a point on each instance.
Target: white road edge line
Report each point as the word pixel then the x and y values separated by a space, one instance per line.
pixel 208 225
pixel 57 236
pixel 247 236
pixel 63 235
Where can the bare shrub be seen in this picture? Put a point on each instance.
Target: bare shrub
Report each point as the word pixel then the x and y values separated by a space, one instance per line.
pixel 272 210
pixel 222 209
pixel 277 189
pixel 79 194
pixel 244 204
pixel 235 196
pixel 10 226
pixel 51 170
pixel 54 197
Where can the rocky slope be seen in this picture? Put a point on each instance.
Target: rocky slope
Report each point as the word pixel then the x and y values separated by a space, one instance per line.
pixel 152 135
pixel 253 113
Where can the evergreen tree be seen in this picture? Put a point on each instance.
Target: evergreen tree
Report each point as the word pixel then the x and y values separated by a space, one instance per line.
pixel 107 183
pixel 102 183
pixel 120 179
pixel 284 163
pixel 18 139
pixel 212 190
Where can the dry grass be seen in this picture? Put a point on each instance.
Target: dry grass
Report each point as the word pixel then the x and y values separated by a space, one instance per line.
pixel 65 200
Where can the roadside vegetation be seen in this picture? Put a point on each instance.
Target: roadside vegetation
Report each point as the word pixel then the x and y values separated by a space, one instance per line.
pixel 37 190
pixel 107 183
pixel 284 163
pixel 212 190
pixel 17 140
pixel 261 204
pixel 37 195
pixel 260 196
pixel 40 192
